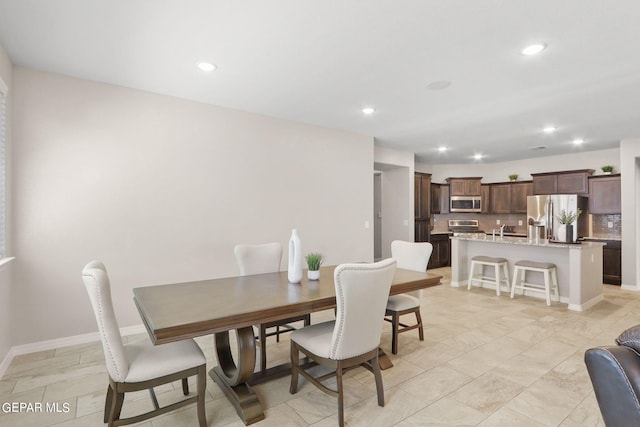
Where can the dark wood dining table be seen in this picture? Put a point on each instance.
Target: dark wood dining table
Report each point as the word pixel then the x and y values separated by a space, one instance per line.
pixel 178 311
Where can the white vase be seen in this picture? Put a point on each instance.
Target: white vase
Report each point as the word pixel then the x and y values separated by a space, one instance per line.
pixel 313 274
pixel 294 272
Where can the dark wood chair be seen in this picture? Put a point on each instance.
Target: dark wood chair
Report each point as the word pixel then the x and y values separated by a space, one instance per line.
pixel 140 365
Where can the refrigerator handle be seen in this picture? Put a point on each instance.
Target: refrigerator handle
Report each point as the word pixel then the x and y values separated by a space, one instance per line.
pixel 550 220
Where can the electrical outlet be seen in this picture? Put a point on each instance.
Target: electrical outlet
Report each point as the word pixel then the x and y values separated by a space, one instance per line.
pixel 519 222
pixel 366 224
pixel 405 222
pixel 498 221
pixel 610 224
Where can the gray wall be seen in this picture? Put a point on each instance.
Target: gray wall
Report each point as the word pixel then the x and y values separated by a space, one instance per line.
pixel 161 189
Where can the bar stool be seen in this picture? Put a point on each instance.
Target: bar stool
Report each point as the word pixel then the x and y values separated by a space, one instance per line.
pixel 496 263
pixel 546 268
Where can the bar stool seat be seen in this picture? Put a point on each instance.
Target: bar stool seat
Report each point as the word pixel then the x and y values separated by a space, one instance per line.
pixel 550 274
pixel 497 264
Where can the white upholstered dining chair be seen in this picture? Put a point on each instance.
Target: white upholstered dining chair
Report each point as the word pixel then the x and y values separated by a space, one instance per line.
pixel 353 337
pixel 140 365
pixel 409 256
pixel 259 259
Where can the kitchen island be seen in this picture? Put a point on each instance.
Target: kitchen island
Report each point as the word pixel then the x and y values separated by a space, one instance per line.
pixel 579 266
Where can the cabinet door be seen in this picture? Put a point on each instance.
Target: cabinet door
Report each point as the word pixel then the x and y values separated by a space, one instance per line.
pixel 417 183
pixel 422 195
pixel 485 193
pixel 473 187
pixel 545 184
pixel 444 252
pixel 605 195
pixel 501 198
pixel 519 193
pixel 444 199
pixel 436 194
pixel 612 263
pixel 573 183
pixel 458 187
pixel 421 231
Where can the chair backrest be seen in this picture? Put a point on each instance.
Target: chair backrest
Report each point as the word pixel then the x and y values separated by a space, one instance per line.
pixel 412 256
pixel 362 291
pixel 96 280
pixel 258 259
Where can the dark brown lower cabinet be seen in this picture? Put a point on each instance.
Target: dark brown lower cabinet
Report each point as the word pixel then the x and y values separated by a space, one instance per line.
pixel 611 261
pixel 441 255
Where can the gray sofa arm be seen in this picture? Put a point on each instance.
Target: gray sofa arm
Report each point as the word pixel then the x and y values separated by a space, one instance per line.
pixel 615 375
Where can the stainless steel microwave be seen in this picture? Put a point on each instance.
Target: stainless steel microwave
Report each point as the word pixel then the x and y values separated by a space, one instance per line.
pixel 466 204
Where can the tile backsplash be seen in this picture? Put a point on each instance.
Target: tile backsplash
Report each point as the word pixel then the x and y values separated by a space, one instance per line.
pixel 600 226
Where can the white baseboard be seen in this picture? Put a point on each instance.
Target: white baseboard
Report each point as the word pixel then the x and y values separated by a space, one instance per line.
pixel 60 342
pixel 587 305
pixel 630 287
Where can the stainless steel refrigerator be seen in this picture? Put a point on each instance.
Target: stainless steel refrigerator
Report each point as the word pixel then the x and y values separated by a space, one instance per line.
pixel 543 212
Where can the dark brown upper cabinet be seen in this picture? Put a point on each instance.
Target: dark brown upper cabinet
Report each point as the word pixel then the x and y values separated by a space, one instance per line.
pixel 464 186
pixel 565 182
pixel 605 194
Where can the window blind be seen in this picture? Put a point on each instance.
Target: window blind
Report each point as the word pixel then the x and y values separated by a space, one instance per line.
pixel 3 139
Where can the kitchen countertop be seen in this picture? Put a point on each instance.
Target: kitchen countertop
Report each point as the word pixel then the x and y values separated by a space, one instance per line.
pixel 510 240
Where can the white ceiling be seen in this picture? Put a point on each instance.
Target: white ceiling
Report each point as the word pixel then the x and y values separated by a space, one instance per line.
pixel 321 62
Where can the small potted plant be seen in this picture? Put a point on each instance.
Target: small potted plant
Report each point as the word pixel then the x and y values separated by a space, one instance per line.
pixel 566 219
pixel 607 169
pixel 314 260
pixel 513 177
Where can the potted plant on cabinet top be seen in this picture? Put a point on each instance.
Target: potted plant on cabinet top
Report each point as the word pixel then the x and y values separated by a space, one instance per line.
pixel 513 177
pixel 566 220
pixel 607 169
pixel 314 260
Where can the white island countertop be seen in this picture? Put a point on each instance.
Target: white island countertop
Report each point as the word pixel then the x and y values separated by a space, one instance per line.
pixel 579 265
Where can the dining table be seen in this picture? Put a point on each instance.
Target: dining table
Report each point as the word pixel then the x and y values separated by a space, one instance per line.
pixel 178 311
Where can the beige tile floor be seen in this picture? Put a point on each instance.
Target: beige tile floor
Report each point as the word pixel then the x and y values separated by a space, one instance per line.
pixel 485 361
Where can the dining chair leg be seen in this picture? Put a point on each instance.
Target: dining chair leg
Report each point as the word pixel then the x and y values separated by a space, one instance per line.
pixel 293 388
pixel 340 394
pixel 307 320
pixel 185 386
pixel 395 322
pixel 277 333
pixel 154 399
pixel 116 407
pixel 419 321
pixel 375 365
pixel 263 348
pixel 201 386
pixel 108 402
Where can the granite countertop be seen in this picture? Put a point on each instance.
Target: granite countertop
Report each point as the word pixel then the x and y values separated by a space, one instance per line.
pixel 510 240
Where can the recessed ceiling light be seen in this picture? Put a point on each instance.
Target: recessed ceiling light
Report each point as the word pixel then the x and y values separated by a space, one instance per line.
pixel 549 129
pixel 439 85
pixel 578 141
pixel 477 156
pixel 442 149
pixel 206 66
pixel 533 49
pixel 368 110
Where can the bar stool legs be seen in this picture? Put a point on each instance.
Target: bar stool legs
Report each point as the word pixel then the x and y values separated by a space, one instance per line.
pixel 499 265
pixel 550 275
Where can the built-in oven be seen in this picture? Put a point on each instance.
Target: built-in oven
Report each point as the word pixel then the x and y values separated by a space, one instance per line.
pixel 466 204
